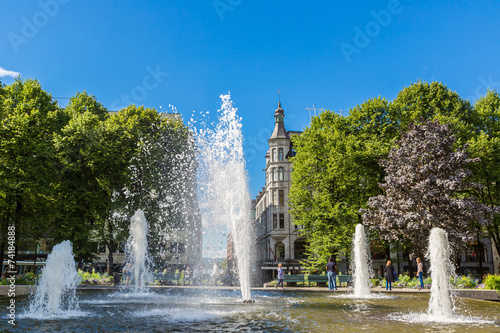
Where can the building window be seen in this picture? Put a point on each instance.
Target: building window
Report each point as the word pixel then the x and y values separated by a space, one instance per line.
pixel 275 197
pixel 273 174
pixel 280 250
pixel 275 221
pixel 281 174
pixel 280 154
pixel 273 158
pixel 177 248
pixel 475 251
pixel 282 221
pixel 281 197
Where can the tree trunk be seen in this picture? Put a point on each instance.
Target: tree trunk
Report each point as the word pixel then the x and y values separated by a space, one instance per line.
pixel 410 267
pixel 111 249
pixel 480 258
pixel 397 258
pixel 387 250
pixel 34 260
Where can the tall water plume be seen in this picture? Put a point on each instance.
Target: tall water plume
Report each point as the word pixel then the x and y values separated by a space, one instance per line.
pixel 137 250
pixel 441 300
pixel 225 199
pixel 56 290
pixel 361 260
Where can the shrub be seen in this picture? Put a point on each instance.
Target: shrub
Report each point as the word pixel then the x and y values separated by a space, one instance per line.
pixel 94 277
pixel 27 279
pixel 492 282
pixel 463 282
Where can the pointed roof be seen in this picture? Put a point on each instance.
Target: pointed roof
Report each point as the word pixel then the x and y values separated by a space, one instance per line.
pixel 279 125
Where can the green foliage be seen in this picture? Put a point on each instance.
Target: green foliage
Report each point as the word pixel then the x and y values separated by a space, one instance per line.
pixel 63 172
pixel 337 169
pixel 25 279
pixel 334 173
pixel 492 282
pixel 424 186
pixel 463 282
pixel 485 145
pixel 28 120
pixel 458 282
pixel 94 277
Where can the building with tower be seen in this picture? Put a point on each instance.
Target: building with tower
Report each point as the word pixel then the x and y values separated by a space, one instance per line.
pixel 277 237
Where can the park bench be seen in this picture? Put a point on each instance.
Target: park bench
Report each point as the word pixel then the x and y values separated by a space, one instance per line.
pixel 167 278
pixel 319 279
pixel 345 278
pixel 291 280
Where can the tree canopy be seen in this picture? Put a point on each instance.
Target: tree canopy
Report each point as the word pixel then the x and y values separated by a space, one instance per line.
pixel 64 171
pixel 336 168
pixel 422 190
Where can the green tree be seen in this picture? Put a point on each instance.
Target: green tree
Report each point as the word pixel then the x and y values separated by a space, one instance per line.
pixel 424 188
pixel 162 181
pixel 485 145
pixel 123 133
pixel 424 101
pixel 82 195
pixel 28 120
pixel 334 172
pixel 336 168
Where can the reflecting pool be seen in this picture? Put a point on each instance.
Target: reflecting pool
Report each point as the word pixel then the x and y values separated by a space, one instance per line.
pixel 202 310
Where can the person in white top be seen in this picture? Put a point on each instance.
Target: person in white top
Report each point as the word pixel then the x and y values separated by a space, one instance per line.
pixel 420 273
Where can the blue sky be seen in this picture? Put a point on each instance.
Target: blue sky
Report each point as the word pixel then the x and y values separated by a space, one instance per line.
pixel 330 54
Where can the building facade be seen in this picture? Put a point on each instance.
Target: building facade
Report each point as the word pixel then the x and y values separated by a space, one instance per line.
pixel 278 240
pixel 277 237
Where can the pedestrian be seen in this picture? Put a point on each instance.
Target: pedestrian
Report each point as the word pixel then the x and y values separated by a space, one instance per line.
pixel 281 276
pixel 187 276
pixel 127 271
pixel 389 273
pixel 420 273
pixel 196 276
pixel 331 269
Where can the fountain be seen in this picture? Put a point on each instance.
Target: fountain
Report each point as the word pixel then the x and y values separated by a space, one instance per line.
pixel 224 190
pixel 360 264
pixel 441 309
pixel 137 250
pixel 225 201
pixel 55 292
pixel 441 300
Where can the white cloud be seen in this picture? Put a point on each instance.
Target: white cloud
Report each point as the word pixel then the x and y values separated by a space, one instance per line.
pixel 4 72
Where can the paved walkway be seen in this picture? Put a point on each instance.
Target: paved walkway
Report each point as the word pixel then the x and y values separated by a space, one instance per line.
pixel 266 288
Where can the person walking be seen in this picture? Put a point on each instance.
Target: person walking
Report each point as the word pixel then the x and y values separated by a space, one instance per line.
pixel 196 276
pixel 187 276
pixel 281 276
pixel 389 275
pixel 331 268
pixel 420 273
pixel 127 271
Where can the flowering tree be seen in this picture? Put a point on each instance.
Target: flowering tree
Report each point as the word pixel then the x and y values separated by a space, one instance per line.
pixel 425 187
